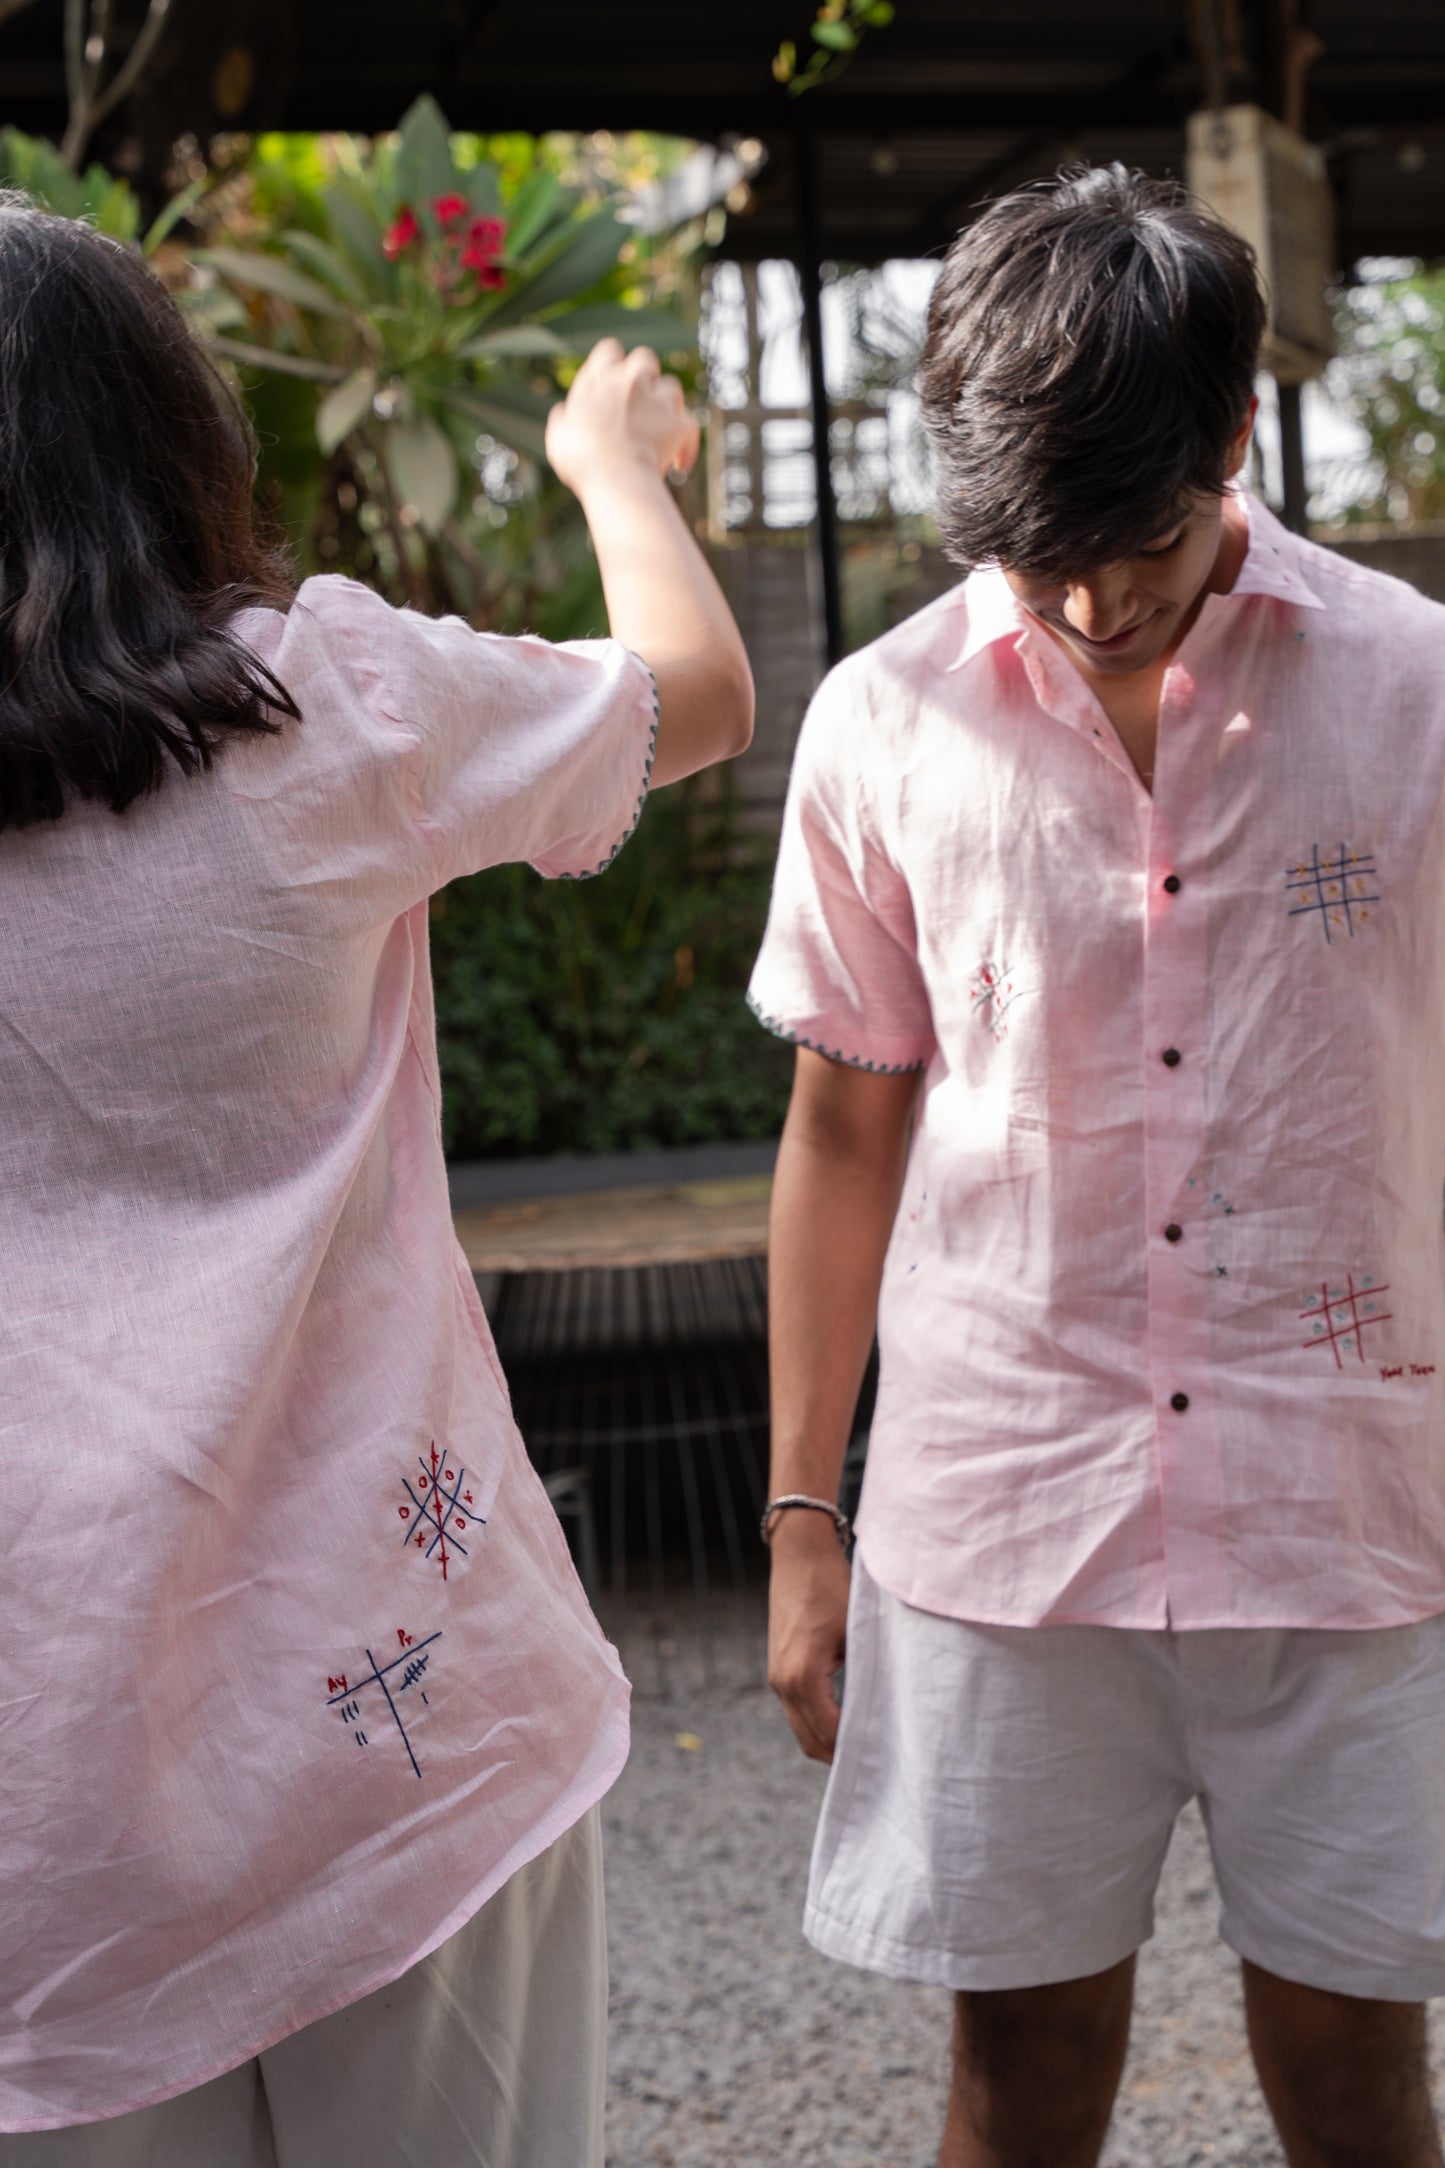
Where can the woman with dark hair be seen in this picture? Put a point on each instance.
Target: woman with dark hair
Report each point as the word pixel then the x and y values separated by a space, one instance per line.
pixel 305 1716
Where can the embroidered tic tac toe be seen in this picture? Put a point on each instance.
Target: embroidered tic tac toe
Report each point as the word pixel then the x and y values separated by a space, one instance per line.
pixel 1163 1315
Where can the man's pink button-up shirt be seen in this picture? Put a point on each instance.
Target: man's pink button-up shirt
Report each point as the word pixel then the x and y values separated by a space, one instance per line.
pixel 1163 1317
pixel 296 1670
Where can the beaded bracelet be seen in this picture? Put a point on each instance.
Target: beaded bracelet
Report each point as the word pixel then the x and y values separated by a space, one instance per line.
pixel 841 1523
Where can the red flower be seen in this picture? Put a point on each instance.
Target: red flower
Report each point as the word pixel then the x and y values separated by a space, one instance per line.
pixel 484 240
pixel 404 229
pixel 449 209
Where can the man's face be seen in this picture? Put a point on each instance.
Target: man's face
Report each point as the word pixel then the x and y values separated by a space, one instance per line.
pixel 1128 616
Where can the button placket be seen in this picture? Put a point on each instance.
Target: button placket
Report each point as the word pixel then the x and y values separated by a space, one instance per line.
pixel 1175 1068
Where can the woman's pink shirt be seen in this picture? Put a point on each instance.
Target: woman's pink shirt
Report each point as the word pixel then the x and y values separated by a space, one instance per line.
pixel 297 1669
pixel 1162 1321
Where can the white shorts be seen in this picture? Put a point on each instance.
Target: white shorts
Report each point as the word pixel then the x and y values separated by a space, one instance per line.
pixel 1002 1797
pixel 491 2053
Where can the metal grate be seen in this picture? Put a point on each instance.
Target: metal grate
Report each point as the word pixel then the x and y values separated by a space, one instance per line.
pixel 642 1394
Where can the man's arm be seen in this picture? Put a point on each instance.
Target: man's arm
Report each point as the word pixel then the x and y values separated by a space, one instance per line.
pixel 835 1193
pixel 621 429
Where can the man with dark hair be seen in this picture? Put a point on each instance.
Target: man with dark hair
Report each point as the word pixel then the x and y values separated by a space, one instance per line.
pixel 1107 924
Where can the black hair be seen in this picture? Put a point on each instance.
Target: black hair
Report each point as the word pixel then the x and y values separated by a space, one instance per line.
pixel 128 536
pixel 1091 350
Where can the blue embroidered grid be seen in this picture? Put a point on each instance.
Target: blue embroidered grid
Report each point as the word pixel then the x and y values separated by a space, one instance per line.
pixel 1324 886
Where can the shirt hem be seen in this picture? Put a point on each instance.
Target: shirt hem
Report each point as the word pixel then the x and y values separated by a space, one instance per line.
pixel 918 1598
pixel 539 1838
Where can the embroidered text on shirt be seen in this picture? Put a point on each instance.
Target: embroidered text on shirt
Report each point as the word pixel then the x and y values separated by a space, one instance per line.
pixel 412 1661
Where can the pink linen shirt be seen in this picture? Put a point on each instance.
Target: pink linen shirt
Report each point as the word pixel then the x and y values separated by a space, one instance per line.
pixel 1162 1321
pixel 297 1670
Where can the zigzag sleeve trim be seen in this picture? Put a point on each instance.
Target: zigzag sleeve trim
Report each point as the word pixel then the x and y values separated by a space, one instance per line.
pixel 831 1053
pixel 591 873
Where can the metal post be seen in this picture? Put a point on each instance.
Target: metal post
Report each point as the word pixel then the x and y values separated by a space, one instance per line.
pixel 1292 456
pixel 810 267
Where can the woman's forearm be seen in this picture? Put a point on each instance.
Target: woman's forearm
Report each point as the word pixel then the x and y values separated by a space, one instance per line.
pixel 663 602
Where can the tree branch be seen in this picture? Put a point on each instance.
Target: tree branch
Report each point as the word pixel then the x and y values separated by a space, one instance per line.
pixel 146 42
pixel 84 61
pixel 74 67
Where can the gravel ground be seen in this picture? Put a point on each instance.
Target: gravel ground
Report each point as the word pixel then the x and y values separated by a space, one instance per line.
pixel 734 2043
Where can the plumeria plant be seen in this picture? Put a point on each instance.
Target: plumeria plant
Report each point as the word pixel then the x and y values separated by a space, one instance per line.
pixel 469 246
pixel 428 311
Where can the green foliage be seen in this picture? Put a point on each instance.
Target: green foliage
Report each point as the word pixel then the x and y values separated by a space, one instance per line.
pixel 608 1015
pixel 1390 373
pixel 428 296
pixel 837 32
pixel 103 200
pixel 106 203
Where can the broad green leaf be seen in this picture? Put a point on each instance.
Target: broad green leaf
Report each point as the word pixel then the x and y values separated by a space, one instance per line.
pixel 558 223
pixel 344 409
pixel 579 329
pixel 217 309
pixel 271 275
pixel 519 342
pixel 171 214
pixel 517 418
pixel 37 167
pixel 837 37
pixel 532 209
pixel 483 189
pixel 327 263
pixel 116 212
pixel 277 362
pixel 424 168
pixel 583 255
pixel 423 470
pixel 356 229
pixel 880 14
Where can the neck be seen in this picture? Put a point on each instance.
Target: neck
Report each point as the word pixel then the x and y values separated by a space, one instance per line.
pixel 1233 547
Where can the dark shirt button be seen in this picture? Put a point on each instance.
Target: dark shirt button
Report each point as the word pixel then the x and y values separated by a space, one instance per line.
pixel 1174 1232
pixel 1171 1057
pixel 1179 1402
pixel 1172 884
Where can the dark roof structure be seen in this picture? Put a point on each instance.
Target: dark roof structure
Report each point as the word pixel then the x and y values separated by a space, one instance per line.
pixel 955 100
pixel 952 102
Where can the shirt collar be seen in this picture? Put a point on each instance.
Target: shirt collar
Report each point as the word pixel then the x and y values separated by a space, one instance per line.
pixel 993 612
pixel 1273 565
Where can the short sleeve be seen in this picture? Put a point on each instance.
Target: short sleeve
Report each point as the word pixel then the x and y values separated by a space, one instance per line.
pixel 520 749
pixel 838 970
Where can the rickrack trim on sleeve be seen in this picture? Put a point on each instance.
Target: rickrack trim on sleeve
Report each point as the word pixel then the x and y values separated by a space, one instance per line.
pixel 830 1053
pixel 592 872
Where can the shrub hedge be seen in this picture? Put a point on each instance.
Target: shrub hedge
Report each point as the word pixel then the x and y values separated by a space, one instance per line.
pixel 607 1015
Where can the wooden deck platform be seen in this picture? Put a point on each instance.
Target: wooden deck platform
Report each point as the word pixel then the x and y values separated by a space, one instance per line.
pixel 670 1223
